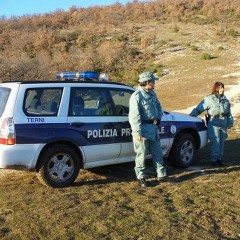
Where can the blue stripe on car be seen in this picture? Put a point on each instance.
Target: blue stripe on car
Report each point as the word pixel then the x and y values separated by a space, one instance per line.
pixel 84 134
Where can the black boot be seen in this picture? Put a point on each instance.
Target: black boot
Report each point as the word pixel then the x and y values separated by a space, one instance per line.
pixel 220 163
pixel 214 164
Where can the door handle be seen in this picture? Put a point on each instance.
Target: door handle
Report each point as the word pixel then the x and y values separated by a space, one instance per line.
pixel 76 124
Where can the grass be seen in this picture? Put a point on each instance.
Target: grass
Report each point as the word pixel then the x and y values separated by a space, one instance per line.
pixel 106 203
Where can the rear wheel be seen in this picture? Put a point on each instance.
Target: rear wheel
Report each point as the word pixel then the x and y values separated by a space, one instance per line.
pixel 60 166
pixel 183 153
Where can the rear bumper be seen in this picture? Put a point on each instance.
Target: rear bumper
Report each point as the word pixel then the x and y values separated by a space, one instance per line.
pixel 19 156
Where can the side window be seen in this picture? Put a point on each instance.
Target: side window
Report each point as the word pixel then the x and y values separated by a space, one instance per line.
pixel 90 102
pixel 42 101
pixel 121 101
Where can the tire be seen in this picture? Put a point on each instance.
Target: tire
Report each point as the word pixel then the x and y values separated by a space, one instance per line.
pixel 60 166
pixel 183 153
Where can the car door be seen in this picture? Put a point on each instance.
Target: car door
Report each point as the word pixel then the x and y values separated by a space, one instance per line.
pixel 91 118
pixel 120 97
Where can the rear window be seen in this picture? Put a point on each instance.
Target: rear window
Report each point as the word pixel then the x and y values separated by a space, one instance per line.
pixel 4 94
pixel 42 101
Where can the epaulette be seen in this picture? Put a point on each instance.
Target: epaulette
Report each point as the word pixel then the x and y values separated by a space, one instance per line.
pixel 137 92
pixel 209 96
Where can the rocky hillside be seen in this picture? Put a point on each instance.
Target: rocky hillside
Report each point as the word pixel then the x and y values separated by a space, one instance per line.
pixel 122 40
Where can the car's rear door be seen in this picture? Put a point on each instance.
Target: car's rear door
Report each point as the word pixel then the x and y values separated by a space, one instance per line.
pixel 121 98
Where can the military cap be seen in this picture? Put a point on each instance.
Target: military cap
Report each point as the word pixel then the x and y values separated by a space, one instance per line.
pixel 147 76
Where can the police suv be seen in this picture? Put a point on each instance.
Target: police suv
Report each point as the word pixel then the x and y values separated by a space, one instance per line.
pixel 58 127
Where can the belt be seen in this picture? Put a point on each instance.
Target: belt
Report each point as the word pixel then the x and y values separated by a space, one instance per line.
pixel 218 116
pixel 151 121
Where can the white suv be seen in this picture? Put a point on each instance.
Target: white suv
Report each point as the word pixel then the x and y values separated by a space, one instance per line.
pixel 58 127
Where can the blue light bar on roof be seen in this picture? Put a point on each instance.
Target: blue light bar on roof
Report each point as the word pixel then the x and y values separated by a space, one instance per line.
pixel 89 75
pixel 84 76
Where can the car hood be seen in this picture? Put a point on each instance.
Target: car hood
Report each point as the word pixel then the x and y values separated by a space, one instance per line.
pixel 175 116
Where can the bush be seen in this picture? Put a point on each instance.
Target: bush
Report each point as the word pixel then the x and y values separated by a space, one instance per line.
pixel 194 47
pixel 172 45
pixel 232 32
pixel 120 38
pixel 133 52
pixel 176 29
pixel 207 56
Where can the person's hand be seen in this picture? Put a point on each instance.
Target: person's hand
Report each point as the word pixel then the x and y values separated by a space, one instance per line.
pixel 140 138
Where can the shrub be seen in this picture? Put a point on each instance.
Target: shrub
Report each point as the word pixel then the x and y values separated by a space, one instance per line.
pixel 194 47
pixel 232 32
pixel 176 29
pixel 133 52
pixel 120 38
pixel 162 42
pixel 207 56
pixel 172 45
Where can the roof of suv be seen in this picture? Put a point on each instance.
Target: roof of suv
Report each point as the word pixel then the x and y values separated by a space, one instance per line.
pixel 63 82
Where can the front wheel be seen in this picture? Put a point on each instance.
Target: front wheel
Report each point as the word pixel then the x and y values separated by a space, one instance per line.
pixel 183 152
pixel 60 166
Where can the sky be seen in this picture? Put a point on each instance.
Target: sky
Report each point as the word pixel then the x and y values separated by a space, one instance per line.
pixel 10 8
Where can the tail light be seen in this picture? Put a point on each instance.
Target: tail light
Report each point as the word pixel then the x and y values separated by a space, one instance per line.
pixel 7 132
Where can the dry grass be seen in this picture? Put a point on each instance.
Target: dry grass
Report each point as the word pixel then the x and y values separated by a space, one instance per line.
pixel 106 203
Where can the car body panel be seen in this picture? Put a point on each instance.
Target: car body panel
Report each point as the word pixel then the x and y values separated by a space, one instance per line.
pixel 101 140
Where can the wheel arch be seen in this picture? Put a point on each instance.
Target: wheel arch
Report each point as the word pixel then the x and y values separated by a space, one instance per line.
pixel 173 156
pixel 191 131
pixel 59 142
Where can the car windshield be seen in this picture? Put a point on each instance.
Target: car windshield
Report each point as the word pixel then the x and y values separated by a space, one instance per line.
pixel 4 93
